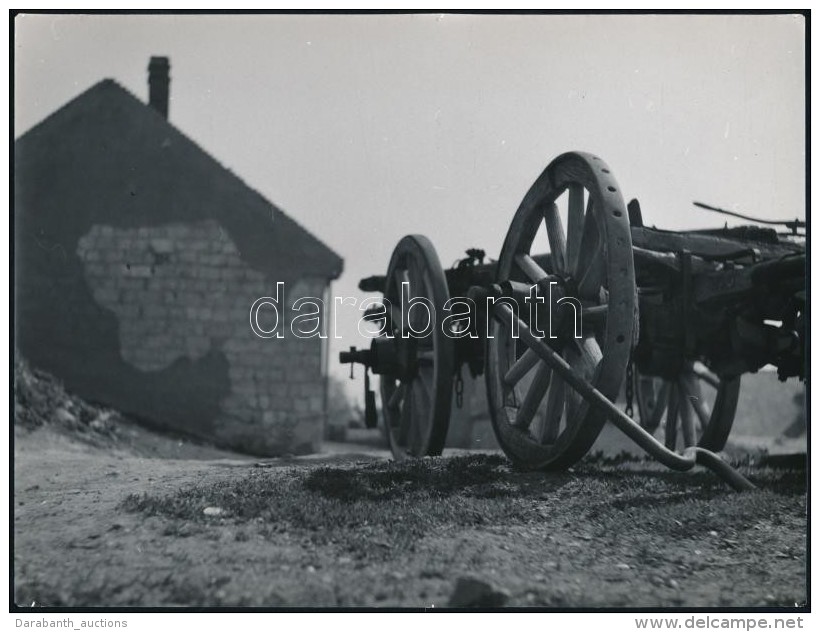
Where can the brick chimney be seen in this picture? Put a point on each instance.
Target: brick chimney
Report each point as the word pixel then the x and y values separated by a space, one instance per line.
pixel 158 81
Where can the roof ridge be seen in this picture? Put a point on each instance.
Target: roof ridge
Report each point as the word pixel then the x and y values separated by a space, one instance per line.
pixel 230 171
pixel 114 83
pixel 68 105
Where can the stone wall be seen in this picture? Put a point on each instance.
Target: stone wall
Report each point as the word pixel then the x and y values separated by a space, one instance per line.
pixel 181 291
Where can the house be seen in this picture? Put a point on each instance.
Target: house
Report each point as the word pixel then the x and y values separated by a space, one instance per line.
pixel 137 260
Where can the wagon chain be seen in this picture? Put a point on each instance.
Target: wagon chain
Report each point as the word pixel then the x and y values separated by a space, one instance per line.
pixel 630 384
pixel 459 387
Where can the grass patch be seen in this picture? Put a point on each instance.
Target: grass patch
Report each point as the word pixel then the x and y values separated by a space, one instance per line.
pixel 395 503
pixel 391 504
pixel 480 476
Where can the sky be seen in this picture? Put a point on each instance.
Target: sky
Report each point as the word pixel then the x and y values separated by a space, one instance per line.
pixel 366 128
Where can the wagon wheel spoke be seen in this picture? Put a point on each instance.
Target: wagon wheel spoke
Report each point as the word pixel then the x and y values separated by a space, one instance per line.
pixel 533 397
pixel 419 287
pixel 557 238
pixel 593 316
pixel 416 283
pixel 424 345
pixel 586 236
pixel 590 269
pixel 403 276
pixel 410 276
pixel 661 403
pixel 547 430
pixel 412 440
pixel 426 342
pixel 671 431
pixel 705 375
pixel 425 379
pixel 521 367
pixel 406 418
pixel 528 266
pixel 687 421
pixel 695 396
pixel 584 356
pixel 575 224
pixel 395 320
pixel 572 403
pixel 421 399
pixel 396 398
pixel 426 357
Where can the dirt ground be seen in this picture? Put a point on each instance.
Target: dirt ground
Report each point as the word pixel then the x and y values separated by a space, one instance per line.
pixel 154 521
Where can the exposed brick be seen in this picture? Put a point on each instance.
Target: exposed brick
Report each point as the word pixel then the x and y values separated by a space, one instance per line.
pixel 152 310
pixel 197 297
pixel 140 271
pixel 162 246
pixel 129 311
pixel 316 404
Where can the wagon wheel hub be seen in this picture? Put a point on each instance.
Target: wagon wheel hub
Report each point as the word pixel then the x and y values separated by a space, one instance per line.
pixel 411 355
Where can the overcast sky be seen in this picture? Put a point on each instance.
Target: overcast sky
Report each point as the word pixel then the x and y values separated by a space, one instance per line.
pixel 367 128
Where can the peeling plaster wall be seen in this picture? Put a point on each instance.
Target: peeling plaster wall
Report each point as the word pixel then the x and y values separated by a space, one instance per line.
pixel 179 293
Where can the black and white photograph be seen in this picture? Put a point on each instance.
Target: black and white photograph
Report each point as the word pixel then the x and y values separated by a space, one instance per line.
pixel 410 311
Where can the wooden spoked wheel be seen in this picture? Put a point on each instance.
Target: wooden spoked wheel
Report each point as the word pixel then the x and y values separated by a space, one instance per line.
pixel 416 401
pixel 539 420
pixel 695 408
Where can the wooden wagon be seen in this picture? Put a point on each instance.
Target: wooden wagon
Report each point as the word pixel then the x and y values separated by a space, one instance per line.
pixel 673 319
